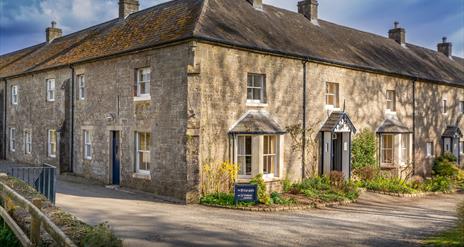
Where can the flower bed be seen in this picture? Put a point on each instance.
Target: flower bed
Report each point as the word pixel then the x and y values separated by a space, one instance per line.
pixel 318 192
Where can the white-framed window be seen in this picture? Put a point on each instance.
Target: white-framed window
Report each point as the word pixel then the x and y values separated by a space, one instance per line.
pixel 270 155
pixel 332 94
pixel 391 100
pixel 52 140
pixel 244 155
pixel 12 139
pixel 81 83
pixel 14 95
pixel 143 82
pixel 429 149
pixel 87 145
pixel 142 160
pixel 404 148
pixel 461 147
pixel 461 104
pixel 27 141
pixel 249 154
pixel 256 84
pixel 386 150
pixel 444 106
pixel 50 83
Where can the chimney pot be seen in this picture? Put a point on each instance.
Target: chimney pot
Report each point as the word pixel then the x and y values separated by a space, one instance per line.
pixel 309 8
pixel 398 34
pixel 445 47
pixel 53 32
pixel 127 7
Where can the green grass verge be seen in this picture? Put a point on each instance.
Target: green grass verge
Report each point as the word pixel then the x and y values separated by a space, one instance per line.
pixel 453 237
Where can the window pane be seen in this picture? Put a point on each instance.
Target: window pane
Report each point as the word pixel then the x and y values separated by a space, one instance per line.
pixel 257 94
pixel 248 145
pixel 258 81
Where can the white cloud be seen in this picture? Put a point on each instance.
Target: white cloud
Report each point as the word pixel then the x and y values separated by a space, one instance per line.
pixel 458 42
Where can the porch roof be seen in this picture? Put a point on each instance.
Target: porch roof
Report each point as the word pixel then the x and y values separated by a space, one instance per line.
pixel 256 123
pixel 452 132
pixel 338 120
pixel 393 125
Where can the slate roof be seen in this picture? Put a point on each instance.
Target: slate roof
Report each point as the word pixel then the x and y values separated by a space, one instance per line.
pixel 258 123
pixel 238 23
pixel 393 126
pixel 452 132
pixel 334 119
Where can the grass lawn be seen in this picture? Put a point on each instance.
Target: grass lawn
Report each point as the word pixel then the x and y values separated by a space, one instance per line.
pixel 454 237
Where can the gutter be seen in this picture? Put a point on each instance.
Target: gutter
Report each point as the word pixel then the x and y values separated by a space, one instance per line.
pixel 5 108
pixel 303 149
pixel 71 110
pixel 414 126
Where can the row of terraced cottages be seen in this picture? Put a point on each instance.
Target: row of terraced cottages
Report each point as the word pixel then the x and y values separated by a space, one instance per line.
pixel 145 99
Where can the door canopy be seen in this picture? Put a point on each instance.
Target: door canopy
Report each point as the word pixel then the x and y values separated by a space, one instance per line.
pixel 338 122
pixel 452 132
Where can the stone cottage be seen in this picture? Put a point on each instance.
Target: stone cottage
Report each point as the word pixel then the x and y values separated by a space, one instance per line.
pixel 145 99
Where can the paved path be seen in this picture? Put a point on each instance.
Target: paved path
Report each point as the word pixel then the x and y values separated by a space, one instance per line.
pixel 375 221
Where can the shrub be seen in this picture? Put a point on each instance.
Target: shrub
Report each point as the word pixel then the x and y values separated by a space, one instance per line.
pixel 286 185
pixel 263 196
pixel 366 173
pixel 101 236
pixel 416 182
pixel 437 184
pixel 394 185
pixel 277 198
pixel 321 188
pixel 445 166
pixel 218 177
pixel 364 149
pixel 337 179
pixel 7 237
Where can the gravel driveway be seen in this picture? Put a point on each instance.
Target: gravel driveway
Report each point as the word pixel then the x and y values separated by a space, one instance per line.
pixel 375 220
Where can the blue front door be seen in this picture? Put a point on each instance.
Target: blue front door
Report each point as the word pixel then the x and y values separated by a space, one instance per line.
pixel 115 158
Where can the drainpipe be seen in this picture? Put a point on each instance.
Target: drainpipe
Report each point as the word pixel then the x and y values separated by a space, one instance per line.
pixel 5 107
pixel 303 155
pixel 414 126
pixel 71 106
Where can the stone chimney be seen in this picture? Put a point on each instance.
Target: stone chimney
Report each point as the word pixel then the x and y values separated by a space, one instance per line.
pixel 308 8
pixel 53 32
pixel 127 7
pixel 398 34
pixel 257 4
pixel 445 47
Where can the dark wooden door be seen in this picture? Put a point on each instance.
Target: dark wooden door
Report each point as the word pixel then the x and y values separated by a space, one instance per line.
pixel 337 152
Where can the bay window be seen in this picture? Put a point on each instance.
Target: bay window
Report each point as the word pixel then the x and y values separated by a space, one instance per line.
pixel 142 159
pixel 269 155
pixel 387 150
pixel 404 148
pixel 244 155
pixel 259 154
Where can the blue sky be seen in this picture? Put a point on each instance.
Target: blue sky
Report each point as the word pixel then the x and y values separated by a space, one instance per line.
pixel 23 22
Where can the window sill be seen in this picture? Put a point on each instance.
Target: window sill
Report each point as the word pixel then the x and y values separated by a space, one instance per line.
pixel 88 158
pixel 144 176
pixel 332 108
pixel 142 98
pixel 256 104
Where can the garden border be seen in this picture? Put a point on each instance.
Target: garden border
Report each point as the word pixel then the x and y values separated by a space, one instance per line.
pixel 285 208
pixel 413 195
